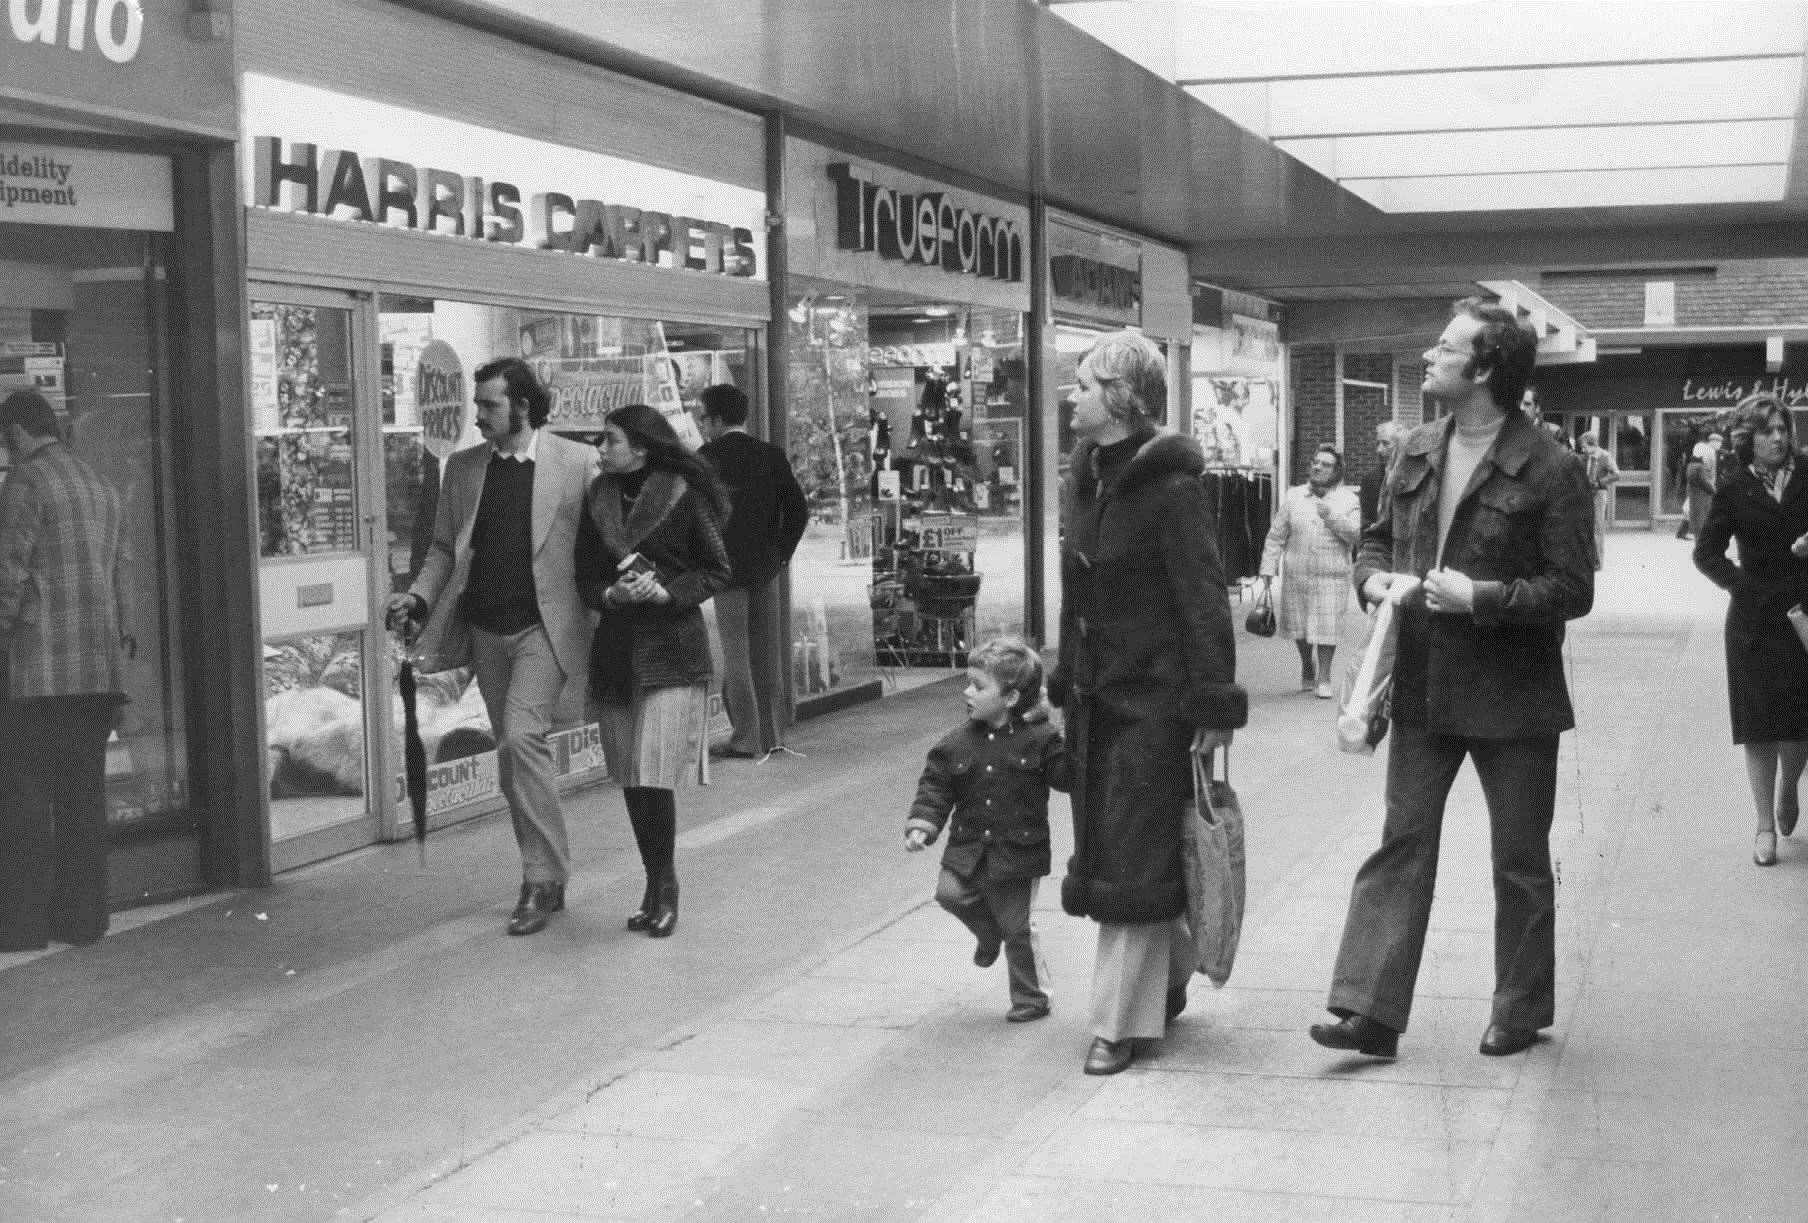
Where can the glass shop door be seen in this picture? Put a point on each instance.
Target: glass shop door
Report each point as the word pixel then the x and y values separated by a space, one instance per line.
pixel 313 373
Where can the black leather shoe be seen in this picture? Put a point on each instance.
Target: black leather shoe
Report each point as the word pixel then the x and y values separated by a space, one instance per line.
pixel 1176 1002
pixel 1359 1034
pixel 986 954
pixel 1788 809
pixel 1109 1056
pixel 665 917
pixel 641 918
pixel 1500 1040
pixel 539 901
pixel 1027 1012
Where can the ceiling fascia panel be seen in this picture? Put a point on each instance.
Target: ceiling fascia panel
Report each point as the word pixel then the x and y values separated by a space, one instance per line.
pixel 1226 40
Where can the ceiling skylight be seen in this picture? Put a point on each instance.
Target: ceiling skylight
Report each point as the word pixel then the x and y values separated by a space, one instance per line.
pixel 1450 106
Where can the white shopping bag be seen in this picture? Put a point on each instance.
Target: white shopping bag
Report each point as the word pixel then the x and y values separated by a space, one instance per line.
pixel 1362 706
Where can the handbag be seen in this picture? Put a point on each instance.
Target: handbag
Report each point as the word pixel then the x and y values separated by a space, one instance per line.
pixel 1364 702
pixel 1211 855
pixel 1260 619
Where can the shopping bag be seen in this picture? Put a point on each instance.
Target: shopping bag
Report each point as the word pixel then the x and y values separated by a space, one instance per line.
pixel 1211 853
pixel 1362 706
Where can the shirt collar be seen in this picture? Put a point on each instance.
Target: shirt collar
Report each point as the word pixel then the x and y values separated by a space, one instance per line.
pixel 1774 485
pixel 527 455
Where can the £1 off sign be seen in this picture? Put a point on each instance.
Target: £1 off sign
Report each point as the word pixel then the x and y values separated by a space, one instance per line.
pixel 439 396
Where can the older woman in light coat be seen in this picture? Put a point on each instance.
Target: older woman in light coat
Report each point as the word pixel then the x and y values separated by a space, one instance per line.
pixel 1310 545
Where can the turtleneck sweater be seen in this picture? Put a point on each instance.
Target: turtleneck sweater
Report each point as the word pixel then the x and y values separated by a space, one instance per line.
pixel 1468 447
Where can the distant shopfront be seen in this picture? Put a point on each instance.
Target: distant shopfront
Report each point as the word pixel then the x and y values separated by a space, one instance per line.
pixel 1648 410
pixel 116 123
pixel 396 244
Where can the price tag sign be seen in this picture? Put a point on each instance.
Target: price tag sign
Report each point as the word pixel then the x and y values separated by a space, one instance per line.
pixel 950 534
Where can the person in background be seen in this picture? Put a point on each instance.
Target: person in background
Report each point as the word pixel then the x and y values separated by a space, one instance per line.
pixel 1763 504
pixel 1603 474
pixel 1147 675
pixel 1309 544
pixel 64 641
pixel 501 568
pixel 766 522
pixel 992 776
pixel 649 554
pixel 1368 492
pixel 1493 518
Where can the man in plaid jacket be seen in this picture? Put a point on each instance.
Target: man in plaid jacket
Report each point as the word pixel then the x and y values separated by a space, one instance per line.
pixel 62 635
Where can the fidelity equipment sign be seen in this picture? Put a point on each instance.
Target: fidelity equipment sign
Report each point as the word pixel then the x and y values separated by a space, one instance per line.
pixel 90 188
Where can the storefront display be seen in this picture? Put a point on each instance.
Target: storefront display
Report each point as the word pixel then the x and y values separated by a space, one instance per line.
pixel 83 310
pixel 396 246
pixel 1237 367
pixel 908 423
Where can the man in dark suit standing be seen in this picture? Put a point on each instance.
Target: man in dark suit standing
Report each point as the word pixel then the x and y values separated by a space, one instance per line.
pixel 767 520
pixel 63 613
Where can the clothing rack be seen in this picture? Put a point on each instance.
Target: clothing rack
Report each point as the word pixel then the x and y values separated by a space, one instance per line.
pixel 1242 500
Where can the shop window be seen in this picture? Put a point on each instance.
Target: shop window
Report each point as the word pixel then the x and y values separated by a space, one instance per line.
pixel 907 432
pixel 83 320
pixel 592 364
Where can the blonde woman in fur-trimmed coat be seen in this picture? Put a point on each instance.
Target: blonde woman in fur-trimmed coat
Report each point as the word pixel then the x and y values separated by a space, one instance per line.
pixel 1147 674
pixel 649 554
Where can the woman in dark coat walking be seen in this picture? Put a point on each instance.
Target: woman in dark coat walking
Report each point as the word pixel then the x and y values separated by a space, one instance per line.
pixel 1147 674
pixel 1763 503
pixel 649 553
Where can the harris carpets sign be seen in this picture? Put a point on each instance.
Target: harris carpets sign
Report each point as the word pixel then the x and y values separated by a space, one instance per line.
pixel 363 162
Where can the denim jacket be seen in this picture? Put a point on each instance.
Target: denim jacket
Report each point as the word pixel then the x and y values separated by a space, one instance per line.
pixel 1524 533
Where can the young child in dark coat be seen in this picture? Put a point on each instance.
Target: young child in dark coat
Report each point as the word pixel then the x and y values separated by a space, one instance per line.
pixel 992 776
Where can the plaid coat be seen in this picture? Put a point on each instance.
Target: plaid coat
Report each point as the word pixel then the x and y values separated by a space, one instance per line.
pixel 63 602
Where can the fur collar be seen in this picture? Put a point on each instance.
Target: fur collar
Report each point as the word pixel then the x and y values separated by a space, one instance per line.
pixel 1164 454
pixel 659 496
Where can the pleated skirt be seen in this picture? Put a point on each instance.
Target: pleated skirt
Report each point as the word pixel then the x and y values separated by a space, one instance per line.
pixel 657 740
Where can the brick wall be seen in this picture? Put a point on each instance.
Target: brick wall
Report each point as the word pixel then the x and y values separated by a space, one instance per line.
pixel 1409 401
pixel 1312 416
pixel 1736 294
pixel 1364 408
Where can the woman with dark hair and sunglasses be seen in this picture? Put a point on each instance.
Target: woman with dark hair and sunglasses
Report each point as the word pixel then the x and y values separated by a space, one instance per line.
pixel 649 553
pixel 1763 504
pixel 1310 544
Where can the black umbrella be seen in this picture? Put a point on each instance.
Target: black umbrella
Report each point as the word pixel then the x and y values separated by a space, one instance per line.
pixel 414 752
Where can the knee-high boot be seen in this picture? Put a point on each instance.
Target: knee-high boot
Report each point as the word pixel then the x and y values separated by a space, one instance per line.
pixel 662 822
pixel 644 840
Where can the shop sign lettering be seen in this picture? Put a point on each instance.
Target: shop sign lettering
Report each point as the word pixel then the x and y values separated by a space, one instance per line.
pixel 1087 282
pixel 926 228
pixel 1729 391
pixel 116 26
pixel 342 185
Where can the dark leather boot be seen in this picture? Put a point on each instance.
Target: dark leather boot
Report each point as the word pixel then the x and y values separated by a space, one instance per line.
pixel 665 914
pixel 641 918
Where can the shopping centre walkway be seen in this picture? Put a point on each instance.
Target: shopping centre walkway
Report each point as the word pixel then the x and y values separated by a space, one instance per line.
pixel 360 1041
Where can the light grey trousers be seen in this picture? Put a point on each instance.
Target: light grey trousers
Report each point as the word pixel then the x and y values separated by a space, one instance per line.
pixel 1135 968
pixel 521 681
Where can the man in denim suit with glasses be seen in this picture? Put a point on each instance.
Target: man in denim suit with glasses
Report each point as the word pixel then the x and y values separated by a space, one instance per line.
pixel 1495 519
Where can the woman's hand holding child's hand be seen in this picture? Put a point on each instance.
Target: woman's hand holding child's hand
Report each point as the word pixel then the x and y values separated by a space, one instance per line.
pixel 915 840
